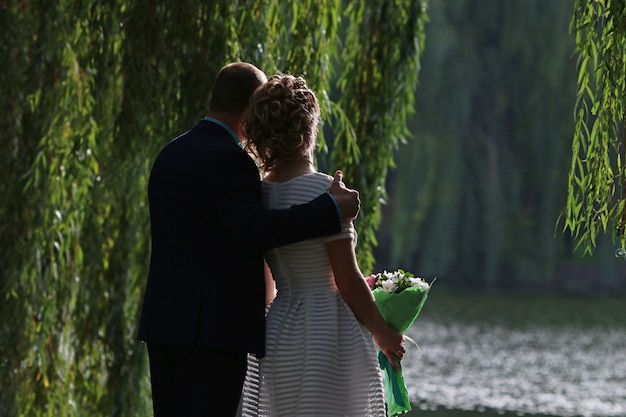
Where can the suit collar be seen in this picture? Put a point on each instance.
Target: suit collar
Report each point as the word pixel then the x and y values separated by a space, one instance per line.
pixel 228 129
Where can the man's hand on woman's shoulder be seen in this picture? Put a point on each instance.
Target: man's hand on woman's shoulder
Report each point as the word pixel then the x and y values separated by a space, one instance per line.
pixel 347 199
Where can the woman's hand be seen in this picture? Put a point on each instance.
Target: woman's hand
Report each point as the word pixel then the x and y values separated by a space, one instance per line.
pixel 358 295
pixel 390 343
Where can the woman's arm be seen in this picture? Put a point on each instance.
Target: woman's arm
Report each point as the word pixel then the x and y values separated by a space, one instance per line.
pixel 358 296
pixel 270 285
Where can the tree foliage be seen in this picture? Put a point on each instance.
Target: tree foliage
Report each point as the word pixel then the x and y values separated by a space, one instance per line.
pixel 478 196
pixel 90 91
pixel 479 188
pixel 597 177
pixel 378 78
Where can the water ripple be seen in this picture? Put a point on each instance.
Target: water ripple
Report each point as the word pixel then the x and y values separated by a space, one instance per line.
pixel 558 371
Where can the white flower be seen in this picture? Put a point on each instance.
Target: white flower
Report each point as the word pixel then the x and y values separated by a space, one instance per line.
pixel 388 275
pixel 389 285
pixel 397 281
pixel 418 282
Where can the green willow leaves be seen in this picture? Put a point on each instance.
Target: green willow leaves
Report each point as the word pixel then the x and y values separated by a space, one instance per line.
pixel 597 178
pixel 90 91
pixel 377 81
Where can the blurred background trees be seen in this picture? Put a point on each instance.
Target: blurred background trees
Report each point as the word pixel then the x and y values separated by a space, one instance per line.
pixel 479 191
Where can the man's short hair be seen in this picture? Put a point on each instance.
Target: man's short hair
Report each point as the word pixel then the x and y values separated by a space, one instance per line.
pixel 234 86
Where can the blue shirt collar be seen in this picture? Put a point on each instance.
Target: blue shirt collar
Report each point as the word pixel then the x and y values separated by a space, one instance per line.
pixel 228 129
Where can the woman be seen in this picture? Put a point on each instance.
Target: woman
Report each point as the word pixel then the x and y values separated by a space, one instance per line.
pixel 320 357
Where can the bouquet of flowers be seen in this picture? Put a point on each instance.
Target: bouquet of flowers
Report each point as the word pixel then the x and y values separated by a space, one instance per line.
pixel 400 297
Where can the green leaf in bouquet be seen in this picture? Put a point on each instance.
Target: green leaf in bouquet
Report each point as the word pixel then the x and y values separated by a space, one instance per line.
pixel 400 309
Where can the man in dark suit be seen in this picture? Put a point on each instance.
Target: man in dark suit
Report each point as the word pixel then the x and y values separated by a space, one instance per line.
pixel 204 302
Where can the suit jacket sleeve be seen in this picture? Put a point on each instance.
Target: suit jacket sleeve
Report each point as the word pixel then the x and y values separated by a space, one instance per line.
pixel 252 225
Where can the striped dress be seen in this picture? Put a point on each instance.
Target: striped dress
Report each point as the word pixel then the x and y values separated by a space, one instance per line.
pixel 320 361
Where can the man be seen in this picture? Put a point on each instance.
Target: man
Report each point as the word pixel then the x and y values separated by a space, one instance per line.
pixel 204 302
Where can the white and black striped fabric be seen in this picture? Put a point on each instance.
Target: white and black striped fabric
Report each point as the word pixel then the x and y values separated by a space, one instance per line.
pixel 320 361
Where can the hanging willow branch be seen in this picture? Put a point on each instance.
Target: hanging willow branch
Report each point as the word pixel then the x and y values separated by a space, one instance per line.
pixel 90 91
pixel 621 227
pixel 377 88
pixel 597 175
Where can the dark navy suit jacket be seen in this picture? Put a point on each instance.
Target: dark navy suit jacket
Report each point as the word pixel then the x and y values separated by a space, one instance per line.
pixel 209 230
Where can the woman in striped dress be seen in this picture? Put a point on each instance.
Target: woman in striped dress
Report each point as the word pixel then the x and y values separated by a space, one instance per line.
pixel 323 324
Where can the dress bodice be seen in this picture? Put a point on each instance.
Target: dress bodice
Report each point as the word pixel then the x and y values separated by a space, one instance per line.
pixel 302 265
pixel 320 360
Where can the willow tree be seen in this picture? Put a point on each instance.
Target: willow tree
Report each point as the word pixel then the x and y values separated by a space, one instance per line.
pixel 597 178
pixel 478 189
pixel 378 79
pixel 90 91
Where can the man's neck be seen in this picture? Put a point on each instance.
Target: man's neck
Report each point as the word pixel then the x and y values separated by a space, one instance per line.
pixel 230 120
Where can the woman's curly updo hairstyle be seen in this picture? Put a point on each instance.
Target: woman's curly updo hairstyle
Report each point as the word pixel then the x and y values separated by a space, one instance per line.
pixel 281 121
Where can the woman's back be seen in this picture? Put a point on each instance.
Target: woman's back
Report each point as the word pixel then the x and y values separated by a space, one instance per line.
pixel 302 265
pixel 320 361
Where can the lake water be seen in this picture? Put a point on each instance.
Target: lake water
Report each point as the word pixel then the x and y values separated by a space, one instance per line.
pixel 511 355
